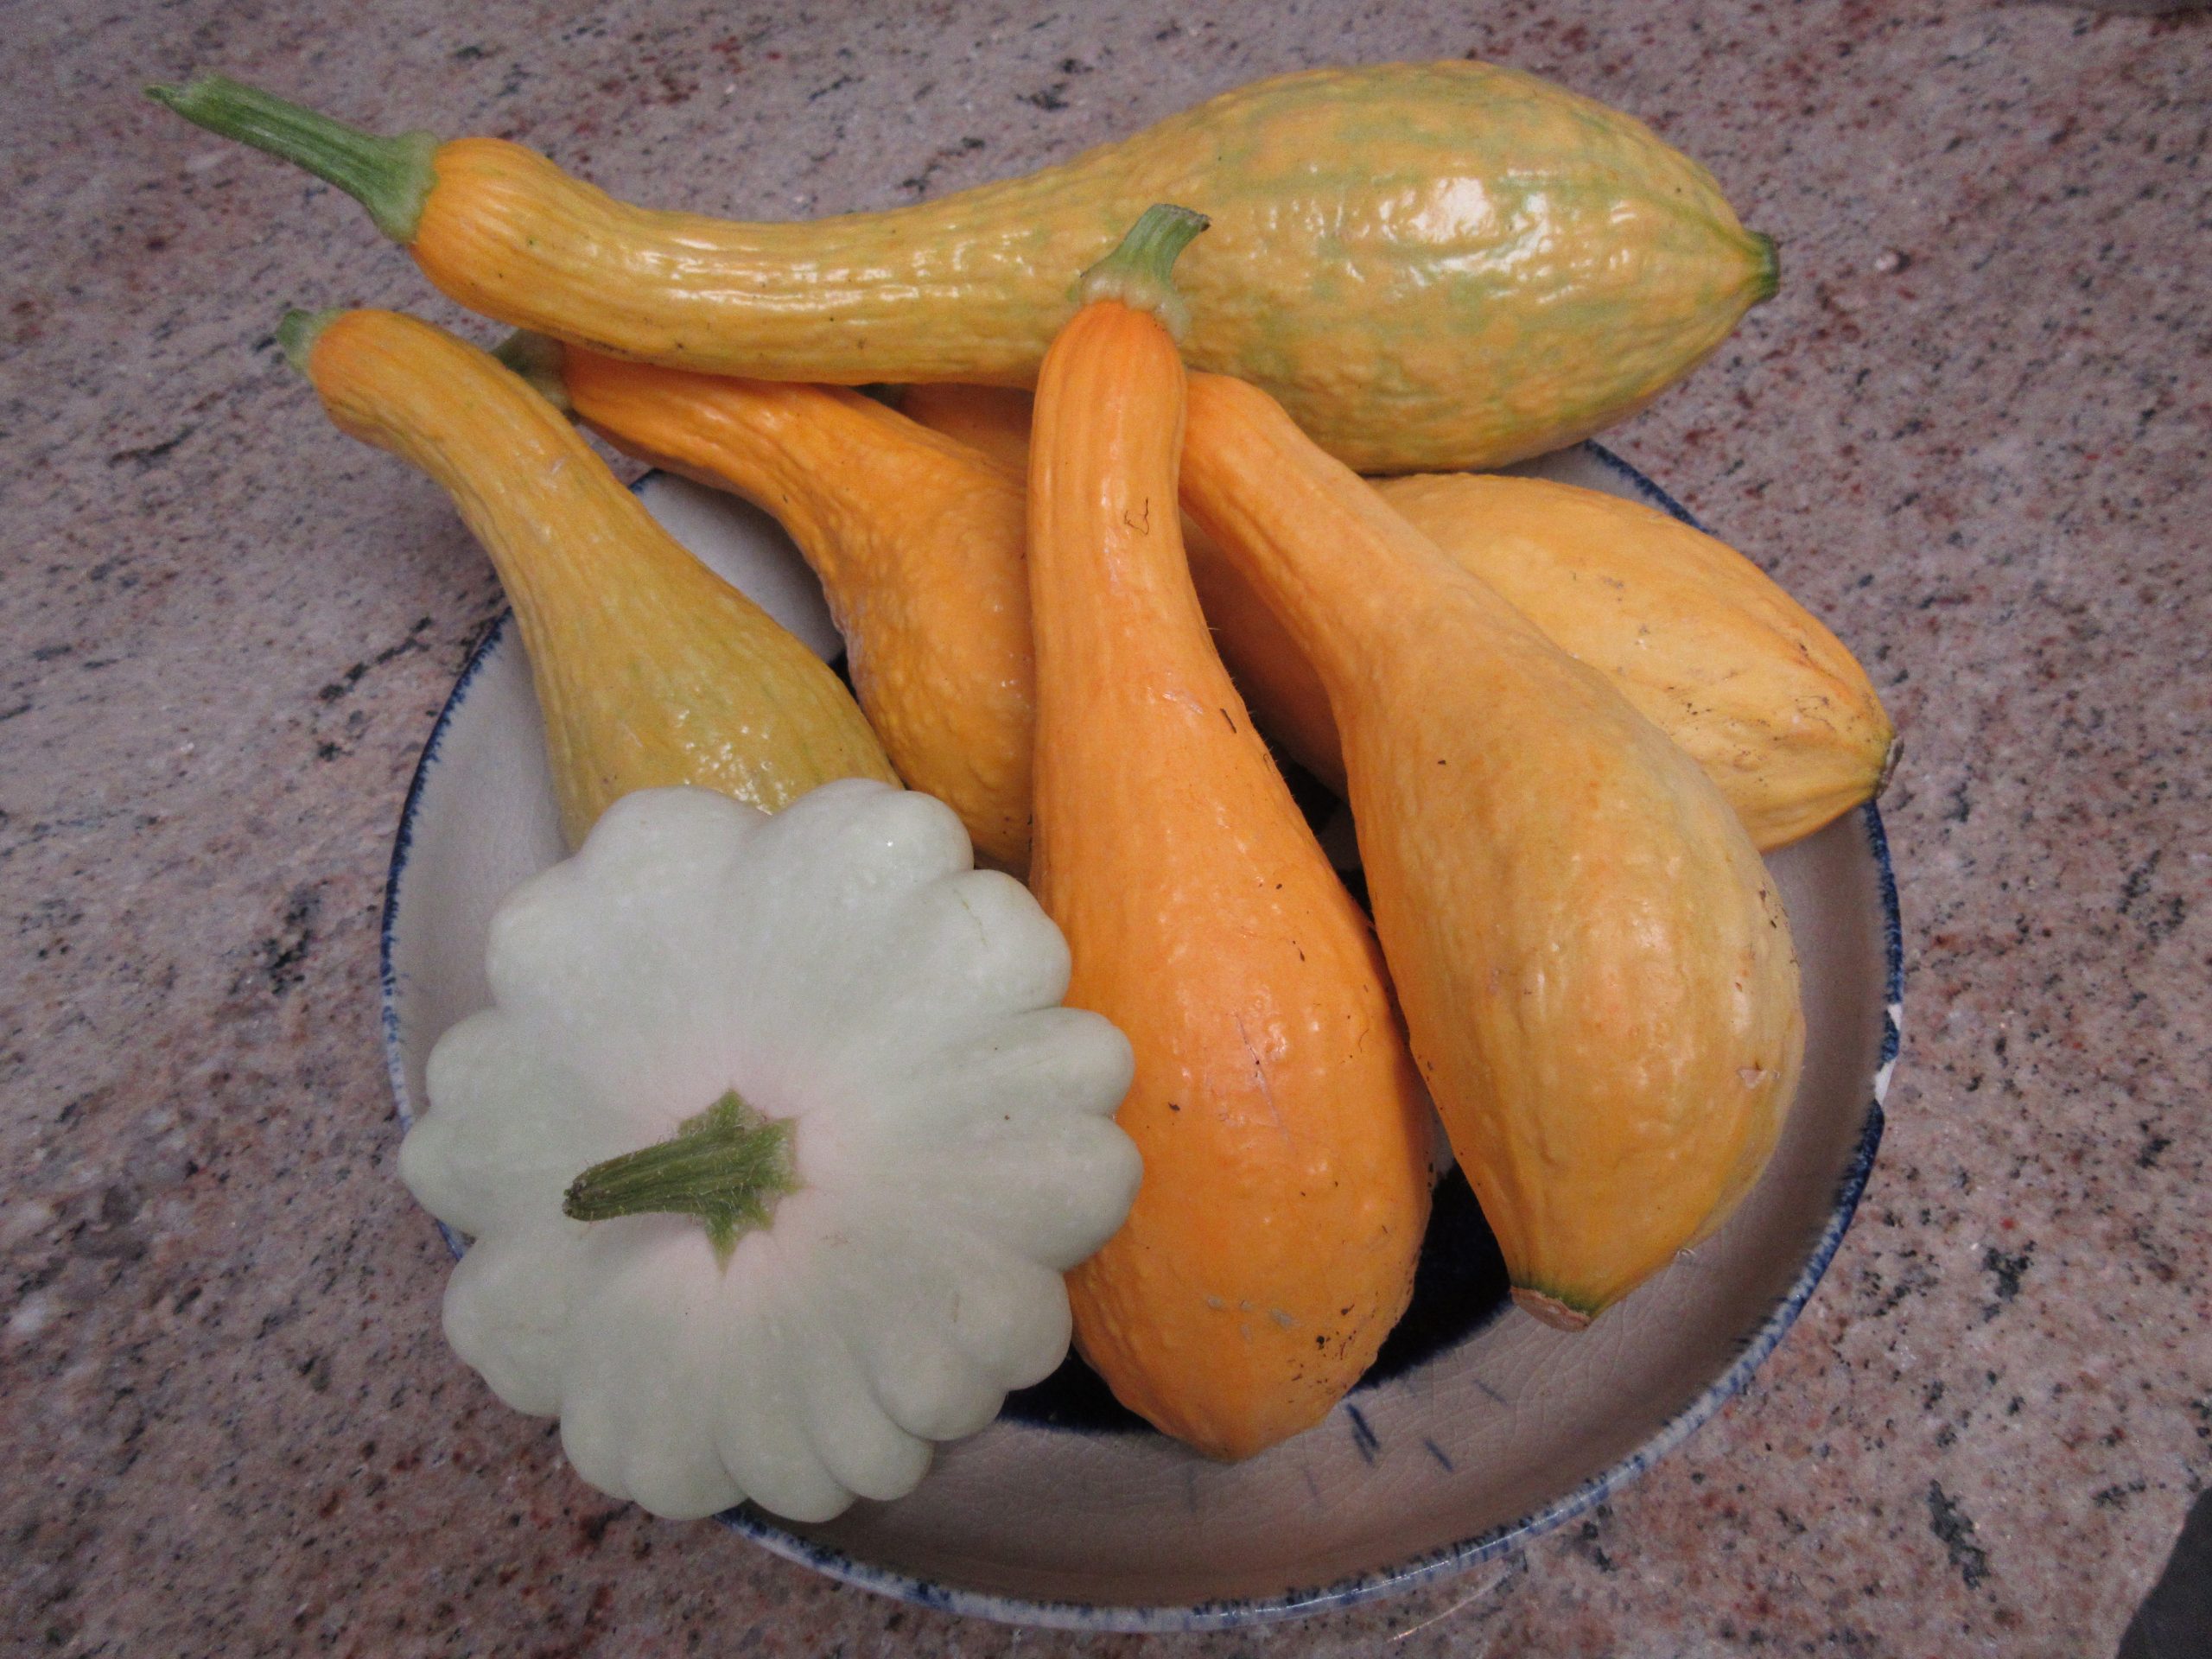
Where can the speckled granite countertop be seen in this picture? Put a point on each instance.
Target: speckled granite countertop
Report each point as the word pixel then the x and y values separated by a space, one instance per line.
pixel 1972 432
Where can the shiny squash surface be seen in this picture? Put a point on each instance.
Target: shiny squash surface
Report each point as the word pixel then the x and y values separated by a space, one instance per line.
pixel 1700 640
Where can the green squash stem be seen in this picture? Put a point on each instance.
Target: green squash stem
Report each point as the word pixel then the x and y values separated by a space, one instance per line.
pixel 727 1167
pixel 390 177
pixel 299 330
pixel 1137 272
pixel 1769 272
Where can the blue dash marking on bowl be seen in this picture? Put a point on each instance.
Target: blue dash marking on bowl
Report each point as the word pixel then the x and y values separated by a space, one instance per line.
pixel 1878 841
pixel 1658 497
pixel 1363 1437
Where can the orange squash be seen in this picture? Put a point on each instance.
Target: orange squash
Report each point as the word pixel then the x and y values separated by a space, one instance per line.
pixel 1272 1244
pixel 650 669
pixel 994 419
pixel 1702 642
pixel 1594 966
pixel 917 541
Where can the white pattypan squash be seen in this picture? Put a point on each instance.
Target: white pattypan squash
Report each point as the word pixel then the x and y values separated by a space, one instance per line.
pixel 843 1137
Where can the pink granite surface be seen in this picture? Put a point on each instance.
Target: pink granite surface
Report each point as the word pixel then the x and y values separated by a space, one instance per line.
pixel 1972 432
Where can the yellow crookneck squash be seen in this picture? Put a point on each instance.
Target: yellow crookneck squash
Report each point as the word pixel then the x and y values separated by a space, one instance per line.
pixel 650 669
pixel 1431 264
pixel 917 540
pixel 1285 1137
pixel 1594 966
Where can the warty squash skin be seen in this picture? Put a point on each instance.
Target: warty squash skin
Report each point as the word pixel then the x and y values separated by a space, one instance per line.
pixel 1285 1135
pixel 917 540
pixel 1594 966
pixel 1700 640
pixel 650 670
pixel 1431 265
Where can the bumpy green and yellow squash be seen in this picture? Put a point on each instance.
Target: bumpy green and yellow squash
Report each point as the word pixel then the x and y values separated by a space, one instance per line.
pixel 1429 265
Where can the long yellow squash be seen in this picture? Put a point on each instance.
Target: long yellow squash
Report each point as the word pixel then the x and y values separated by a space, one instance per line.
pixel 917 540
pixel 1431 265
pixel 1594 966
pixel 1271 1245
pixel 650 669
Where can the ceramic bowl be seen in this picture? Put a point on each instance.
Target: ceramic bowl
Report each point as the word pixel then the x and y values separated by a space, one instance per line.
pixel 1479 1428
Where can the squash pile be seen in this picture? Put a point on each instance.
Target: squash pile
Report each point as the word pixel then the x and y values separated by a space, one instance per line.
pixel 1566 725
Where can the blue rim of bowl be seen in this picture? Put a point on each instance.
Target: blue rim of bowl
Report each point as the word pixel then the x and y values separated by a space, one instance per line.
pixel 1343 1593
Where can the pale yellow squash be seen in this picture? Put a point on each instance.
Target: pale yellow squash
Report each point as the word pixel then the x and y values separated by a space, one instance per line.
pixel 650 669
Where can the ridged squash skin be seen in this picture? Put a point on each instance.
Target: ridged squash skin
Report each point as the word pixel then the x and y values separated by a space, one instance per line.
pixel 650 670
pixel 919 543
pixel 1701 641
pixel 1273 1241
pixel 1594 966
pixel 1431 265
